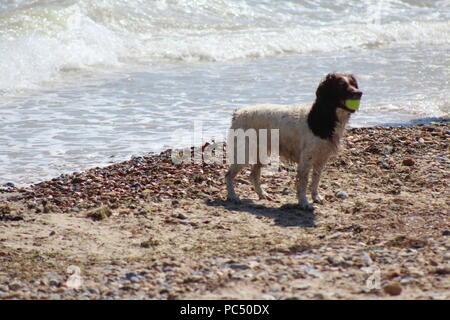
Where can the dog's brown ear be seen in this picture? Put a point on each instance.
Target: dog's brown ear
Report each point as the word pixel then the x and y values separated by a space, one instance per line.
pixel 353 81
pixel 325 88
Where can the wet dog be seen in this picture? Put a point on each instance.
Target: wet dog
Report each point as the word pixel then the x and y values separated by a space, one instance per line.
pixel 308 134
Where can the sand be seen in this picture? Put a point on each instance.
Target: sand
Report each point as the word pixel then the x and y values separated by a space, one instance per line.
pixel 149 229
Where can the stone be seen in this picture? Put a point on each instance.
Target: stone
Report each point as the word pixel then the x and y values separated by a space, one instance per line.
pixel 132 277
pixel 342 195
pixel 53 279
pixel 239 266
pixel 393 289
pixel 408 162
pixel 299 284
pixel 14 286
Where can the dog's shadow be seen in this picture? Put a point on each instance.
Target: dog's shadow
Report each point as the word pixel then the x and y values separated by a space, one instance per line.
pixel 287 215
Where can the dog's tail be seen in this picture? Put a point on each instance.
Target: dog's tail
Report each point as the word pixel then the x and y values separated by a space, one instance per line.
pixel 234 116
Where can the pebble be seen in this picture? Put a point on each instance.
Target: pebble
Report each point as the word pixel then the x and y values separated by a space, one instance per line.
pixel 388 149
pixel 319 296
pixel 342 195
pixel 407 280
pixel 54 280
pixel 366 258
pixel 132 277
pixel 446 233
pixel 239 266
pixel 335 184
pixel 408 162
pixel 237 277
pixel 336 261
pixel 313 272
pixel 15 285
pixel 393 289
pixel 179 216
pixel 9 185
pixel 299 285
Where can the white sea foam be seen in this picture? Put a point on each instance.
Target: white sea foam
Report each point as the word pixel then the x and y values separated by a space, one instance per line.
pixel 41 40
pixel 115 78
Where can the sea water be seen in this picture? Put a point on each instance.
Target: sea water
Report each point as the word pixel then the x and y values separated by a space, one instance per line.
pixel 86 83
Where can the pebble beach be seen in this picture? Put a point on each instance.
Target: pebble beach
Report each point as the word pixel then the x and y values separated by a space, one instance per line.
pixel 149 229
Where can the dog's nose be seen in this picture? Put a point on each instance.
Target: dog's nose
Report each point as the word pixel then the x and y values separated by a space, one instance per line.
pixel 358 94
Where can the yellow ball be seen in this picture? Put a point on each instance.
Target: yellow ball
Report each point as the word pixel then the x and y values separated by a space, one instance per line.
pixel 352 104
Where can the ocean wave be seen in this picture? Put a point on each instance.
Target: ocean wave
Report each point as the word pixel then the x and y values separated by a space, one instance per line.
pixel 40 40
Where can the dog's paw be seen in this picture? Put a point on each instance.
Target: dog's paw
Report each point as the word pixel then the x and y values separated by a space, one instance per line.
pixel 234 200
pixel 306 206
pixel 317 198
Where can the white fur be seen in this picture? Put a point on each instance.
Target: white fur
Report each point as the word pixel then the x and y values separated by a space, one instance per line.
pixel 297 144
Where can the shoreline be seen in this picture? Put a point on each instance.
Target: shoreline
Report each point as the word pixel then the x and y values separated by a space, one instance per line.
pixel 145 228
pixel 4 186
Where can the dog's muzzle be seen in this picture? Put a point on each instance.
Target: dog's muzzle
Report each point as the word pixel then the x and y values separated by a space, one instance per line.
pixel 352 103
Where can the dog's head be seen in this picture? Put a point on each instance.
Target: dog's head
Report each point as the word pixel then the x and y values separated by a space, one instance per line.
pixel 337 89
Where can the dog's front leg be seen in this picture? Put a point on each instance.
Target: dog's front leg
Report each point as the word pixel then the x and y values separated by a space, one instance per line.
pixel 303 169
pixel 316 172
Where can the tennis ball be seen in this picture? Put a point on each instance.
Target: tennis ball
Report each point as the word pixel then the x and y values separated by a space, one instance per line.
pixel 352 104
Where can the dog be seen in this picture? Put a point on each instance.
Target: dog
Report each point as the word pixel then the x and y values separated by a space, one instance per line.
pixel 308 134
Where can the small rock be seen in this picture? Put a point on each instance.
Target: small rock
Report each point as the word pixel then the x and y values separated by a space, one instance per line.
pixel 14 286
pixel 151 242
pixel 179 216
pixel 366 258
pixel 319 296
pixel 93 291
pixel 239 266
pixel 408 162
pixel 313 272
pixel 337 261
pixel 407 280
pixel 99 213
pixel 446 233
pixel 387 149
pixel 342 195
pixel 237 277
pixel 442 270
pixel 9 185
pixel 285 191
pixel 393 289
pixel 131 276
pixel 299 285
pixel 53 279
pixel 335 184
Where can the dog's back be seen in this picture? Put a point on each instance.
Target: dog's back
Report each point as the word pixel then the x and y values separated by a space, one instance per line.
pixel 290 120
pixel 269 116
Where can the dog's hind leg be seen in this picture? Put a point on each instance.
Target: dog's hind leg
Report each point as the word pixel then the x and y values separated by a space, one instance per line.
pixel 255 178
pixel 229 176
